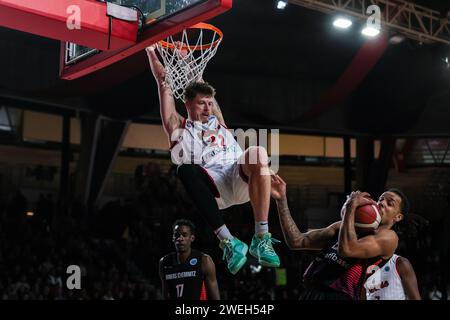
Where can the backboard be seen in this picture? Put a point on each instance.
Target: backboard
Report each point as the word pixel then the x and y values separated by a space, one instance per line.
pixel 159 19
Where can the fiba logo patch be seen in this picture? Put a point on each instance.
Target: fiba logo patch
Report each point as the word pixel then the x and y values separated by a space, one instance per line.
pixel 193 261
pixel 386 268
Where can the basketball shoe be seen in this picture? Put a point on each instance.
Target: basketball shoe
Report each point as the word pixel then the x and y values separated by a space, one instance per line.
pixel 234 251
pixel 262 249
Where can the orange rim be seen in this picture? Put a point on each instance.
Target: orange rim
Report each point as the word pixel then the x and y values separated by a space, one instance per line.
pixel 200 25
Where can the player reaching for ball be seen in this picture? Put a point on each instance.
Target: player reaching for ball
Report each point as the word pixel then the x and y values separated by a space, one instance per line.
pixel 338 270
pixel 367 218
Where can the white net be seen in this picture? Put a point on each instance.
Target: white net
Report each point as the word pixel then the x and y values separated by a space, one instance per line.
pixel 184 59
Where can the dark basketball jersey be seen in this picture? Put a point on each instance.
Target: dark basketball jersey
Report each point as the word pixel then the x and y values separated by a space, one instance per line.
pixel 184 281
pixel 330 270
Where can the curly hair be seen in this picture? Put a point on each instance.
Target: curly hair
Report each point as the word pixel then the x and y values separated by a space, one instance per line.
pixel 185 222
pixel 404 206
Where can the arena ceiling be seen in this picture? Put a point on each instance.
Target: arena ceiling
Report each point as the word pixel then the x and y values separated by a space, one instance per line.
pixel 285 69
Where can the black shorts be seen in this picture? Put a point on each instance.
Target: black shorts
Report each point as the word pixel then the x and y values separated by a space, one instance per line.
pixel 323 293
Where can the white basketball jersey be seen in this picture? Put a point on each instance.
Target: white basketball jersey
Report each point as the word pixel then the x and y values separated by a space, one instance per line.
pixel 385 282
pixel 206 144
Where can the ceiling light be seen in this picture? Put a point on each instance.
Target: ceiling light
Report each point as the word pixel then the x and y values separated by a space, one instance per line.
pixel 370 32
pixel 397 39
pixel 342 23
pixel 281 4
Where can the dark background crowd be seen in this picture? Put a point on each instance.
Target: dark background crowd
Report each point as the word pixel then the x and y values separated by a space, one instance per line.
pixel 119 245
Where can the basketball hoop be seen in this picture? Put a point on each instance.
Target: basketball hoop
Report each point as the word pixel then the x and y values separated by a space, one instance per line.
pixel 184 59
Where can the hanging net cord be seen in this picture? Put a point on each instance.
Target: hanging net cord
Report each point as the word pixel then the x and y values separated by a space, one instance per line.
pixel 185 63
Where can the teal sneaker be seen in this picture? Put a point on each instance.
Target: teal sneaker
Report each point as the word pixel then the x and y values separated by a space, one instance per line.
pixel 262 249
pixel 235 251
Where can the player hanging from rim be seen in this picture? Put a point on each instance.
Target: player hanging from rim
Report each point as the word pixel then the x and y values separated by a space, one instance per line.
pixel 338 270
pixel 214 170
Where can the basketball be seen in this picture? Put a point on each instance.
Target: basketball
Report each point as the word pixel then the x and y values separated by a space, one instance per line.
pixel 367 219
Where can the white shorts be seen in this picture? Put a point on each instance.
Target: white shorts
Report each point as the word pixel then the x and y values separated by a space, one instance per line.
pixel 230 184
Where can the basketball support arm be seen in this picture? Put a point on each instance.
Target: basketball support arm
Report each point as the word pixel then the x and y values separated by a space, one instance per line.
pixel 94 24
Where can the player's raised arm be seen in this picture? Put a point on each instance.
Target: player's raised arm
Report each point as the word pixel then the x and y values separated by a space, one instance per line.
pixel 296 240
pixel 217 112
pixel 216 108
pixel 171 119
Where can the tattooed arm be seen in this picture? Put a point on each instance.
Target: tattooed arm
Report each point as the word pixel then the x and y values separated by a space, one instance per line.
pixel 311 240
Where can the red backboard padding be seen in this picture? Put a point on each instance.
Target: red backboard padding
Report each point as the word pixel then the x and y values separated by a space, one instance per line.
pixel 48 18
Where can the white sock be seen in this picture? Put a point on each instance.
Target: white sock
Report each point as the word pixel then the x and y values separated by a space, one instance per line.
pixel 261 227
pixel 223 233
